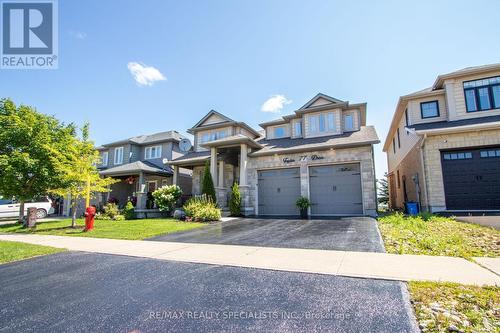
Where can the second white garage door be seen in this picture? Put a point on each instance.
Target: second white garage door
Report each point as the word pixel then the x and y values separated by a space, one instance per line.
pixel 336 189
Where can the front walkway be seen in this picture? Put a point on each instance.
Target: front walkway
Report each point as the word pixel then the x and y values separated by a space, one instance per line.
pixel 354 264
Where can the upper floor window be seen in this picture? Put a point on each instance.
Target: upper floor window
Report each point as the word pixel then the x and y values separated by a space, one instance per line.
pixel 429 109
pixel 399 139
pixel 104 158
pixel 482 94
pixel 394 145
pixel 348 122
pixel 297 128
pixel 406 120
pixel 212 136
pixel 279 132
pixel 118 155
pixel 152 152
pixel 321 123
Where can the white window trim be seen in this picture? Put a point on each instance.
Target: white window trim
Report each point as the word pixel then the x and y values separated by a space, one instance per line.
pixel 294 124
pixel 327 130
pixel 353 127
pixel 104 161
pixel 115 160
pixel 158 151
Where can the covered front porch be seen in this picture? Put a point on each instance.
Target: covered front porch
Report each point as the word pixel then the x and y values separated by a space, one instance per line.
pixel 137 182
pixel 228 164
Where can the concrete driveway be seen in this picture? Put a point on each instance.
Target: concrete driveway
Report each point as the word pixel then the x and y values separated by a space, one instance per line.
pixel 343 234
pixel 83 292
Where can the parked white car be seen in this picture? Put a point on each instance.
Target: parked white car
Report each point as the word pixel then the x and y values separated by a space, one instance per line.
pixel 10 208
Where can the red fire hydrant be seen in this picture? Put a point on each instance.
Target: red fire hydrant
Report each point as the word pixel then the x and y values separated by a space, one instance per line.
pixel 89 218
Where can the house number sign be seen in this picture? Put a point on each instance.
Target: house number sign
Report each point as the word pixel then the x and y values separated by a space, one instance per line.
pixel 303 158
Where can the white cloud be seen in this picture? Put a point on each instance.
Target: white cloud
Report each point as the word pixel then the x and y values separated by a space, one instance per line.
pixel 145 75
pixel 275 103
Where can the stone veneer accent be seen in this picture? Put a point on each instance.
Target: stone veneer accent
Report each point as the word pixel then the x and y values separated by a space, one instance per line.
pixel 432 159
pixel 362 155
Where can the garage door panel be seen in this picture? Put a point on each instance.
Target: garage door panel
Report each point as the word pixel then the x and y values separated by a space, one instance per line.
pixel 278 191
pixel 472 179
pixel 335 189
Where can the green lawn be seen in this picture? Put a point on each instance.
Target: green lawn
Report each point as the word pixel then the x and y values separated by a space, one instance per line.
pixel 129 229
pixel 439 236
pixel 439 306
pixel 12 251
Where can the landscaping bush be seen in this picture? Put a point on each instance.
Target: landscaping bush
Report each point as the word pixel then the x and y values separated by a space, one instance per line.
pixel 207 185
pixel 165 197
pixel 129 211
pixel 202 209
pixel 110 212
pixel 235 201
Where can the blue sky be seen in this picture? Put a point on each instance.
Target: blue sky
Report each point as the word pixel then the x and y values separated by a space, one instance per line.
pixel 232 56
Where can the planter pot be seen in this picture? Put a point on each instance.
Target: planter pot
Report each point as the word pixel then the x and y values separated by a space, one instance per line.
pixel 303 213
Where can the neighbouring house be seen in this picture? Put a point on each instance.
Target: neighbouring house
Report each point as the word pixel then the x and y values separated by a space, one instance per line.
pixel 323 151
pixel 140 165
pixel 443 146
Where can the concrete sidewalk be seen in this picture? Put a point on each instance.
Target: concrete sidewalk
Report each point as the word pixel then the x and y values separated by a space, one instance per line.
pixel 354 264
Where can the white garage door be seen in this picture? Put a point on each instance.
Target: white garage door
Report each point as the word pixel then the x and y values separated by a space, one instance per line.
pixel 336 189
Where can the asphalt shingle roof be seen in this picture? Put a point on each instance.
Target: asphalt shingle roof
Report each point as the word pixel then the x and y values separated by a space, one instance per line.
pixel 136 167
pixel 455 123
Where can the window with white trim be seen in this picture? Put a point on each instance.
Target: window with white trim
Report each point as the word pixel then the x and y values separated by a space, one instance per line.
pixel 322 123
pixel 213 135
pixel 297 125
pixel 348 122
pixel 104 158
pixel 279 132
pixel 118 155
pixel 152 152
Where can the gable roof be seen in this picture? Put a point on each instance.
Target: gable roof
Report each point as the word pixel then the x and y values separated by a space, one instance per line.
pixel 208 115
pixel 147 139
pixel 464 71
pixel 320 96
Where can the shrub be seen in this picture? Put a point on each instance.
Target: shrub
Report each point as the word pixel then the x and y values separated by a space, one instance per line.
pixel 119 218
pixel 129 211
pixel 111 210
pixel 207 185
pixel 165 197
pixel 202 209
pixel 235 201
pixel 302 203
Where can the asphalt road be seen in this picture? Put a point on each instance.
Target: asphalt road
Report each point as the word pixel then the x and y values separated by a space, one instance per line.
pixel 345 234
pixel 82 292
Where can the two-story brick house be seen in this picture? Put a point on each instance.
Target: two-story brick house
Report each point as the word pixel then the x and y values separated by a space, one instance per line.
pixel 323 151
pixel 443 146
pixel 139 163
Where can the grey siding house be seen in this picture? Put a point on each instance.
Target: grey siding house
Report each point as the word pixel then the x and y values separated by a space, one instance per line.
pixel 140 165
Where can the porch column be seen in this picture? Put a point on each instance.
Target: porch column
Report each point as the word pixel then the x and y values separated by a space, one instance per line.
pixel 221 174
pixel 213 163
pixel 175 177
pixel 141 194
pixel 243 164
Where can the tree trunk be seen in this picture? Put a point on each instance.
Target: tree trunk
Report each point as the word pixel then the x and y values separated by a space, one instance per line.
pixel 21 211
pixel 73 215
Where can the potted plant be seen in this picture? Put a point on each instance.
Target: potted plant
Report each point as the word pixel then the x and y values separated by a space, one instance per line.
pixel 303 204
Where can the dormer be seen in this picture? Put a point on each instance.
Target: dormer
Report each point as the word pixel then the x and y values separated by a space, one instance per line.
pixel 323 115
pixel 215 126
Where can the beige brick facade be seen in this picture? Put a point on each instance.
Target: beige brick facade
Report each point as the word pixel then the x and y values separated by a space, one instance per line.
pixel 432 158
pixel 362 155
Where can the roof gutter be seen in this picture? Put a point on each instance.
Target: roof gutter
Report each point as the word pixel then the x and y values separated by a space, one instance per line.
pixel 309 148
pixel 465 128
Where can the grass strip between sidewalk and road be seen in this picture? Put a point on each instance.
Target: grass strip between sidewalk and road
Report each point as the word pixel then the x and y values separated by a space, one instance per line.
pixel 451 307
pixel 128 229
pixel 13 251
pixel 437 236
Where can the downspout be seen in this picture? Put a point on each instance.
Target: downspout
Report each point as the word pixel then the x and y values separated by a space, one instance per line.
pixel 375 181
pixel 422 162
